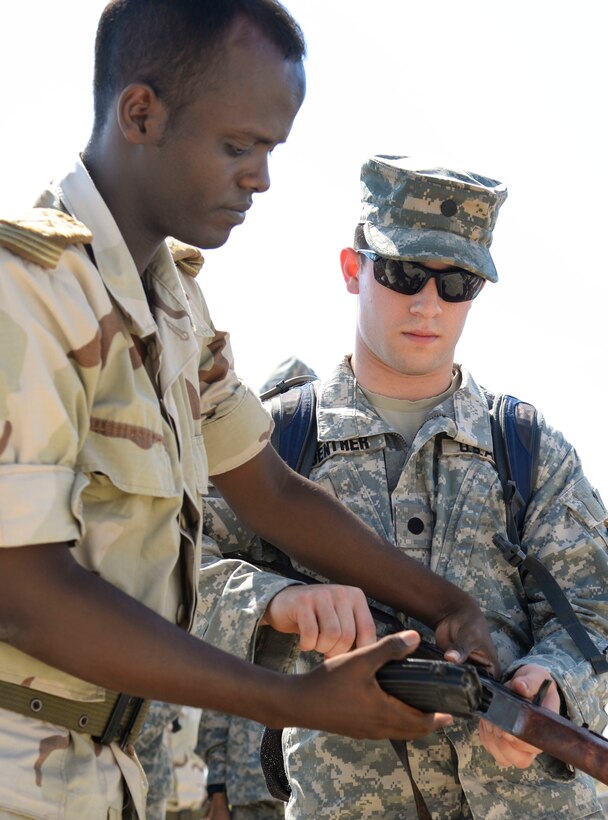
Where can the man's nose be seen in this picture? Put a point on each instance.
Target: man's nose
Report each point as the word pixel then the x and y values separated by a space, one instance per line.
pixel 427 301
pixel 257 177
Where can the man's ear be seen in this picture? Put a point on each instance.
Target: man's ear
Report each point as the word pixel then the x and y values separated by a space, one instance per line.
pixel 142 117
pixel 350 261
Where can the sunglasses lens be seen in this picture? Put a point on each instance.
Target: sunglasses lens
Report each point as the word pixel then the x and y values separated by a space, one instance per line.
pixel 400 276
pixel 459 286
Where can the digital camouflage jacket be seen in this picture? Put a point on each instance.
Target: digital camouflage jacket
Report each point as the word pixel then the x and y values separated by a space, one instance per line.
pixel 440 501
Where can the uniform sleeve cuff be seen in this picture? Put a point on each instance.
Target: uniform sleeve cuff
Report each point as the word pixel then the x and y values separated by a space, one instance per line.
pixel 36 505
pixel 237 437
pixel 216 788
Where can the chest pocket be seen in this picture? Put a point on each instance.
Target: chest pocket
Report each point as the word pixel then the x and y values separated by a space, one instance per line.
pixel 467 492
pixel 360 484
pixel 134 458
pixel 128 444
pixel 586 505
pixel 469 511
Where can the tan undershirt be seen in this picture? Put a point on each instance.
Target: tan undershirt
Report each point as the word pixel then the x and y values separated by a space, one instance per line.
pixel 407 417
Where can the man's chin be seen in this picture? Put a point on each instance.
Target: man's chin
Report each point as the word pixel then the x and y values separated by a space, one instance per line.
pixel 208 239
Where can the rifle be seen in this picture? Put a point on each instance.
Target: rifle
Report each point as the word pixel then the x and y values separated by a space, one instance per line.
pixel 430 684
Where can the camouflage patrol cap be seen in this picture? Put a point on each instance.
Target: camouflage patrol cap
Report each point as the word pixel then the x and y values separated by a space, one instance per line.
pixel 413 211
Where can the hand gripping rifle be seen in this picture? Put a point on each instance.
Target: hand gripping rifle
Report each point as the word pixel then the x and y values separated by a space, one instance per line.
pixel 430 684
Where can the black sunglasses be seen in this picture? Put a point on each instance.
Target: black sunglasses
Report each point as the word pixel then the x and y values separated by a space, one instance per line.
pixel 403 276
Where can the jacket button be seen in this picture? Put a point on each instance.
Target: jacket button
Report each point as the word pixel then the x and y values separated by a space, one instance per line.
pixel 415 526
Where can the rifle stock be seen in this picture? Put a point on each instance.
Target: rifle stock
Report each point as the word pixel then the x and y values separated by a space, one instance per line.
pixel 556 735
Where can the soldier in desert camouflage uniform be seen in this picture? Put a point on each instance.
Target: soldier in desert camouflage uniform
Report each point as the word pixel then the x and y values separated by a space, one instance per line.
pixel 404 441
pixel 117 401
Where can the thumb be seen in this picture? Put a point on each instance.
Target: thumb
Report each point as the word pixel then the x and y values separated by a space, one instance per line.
pixel 393 647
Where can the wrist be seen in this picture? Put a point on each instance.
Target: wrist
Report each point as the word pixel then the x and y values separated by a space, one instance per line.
pixel 455 602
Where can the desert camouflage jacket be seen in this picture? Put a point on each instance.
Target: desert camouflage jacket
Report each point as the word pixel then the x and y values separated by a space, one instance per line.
pixel 114 410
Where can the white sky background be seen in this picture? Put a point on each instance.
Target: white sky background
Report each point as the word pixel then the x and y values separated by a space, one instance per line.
pixel 513 90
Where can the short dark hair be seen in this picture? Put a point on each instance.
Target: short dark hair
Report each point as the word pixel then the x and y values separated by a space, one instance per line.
pixel 168 44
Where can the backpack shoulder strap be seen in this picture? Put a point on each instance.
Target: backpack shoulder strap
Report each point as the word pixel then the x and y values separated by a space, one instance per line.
pixel 515 438
pixel 295 424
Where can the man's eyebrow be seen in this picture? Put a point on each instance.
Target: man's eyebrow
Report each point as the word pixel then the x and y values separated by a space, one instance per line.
pixel 255 136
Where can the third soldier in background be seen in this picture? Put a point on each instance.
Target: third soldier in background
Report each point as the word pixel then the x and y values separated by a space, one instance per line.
pixel 404 441
pixel 230 745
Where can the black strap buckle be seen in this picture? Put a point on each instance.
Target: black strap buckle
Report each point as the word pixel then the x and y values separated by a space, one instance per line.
pixel 113 731
pixel 599 664
pixel 510 552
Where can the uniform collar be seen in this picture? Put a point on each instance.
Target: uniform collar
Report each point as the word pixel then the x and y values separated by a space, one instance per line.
pixel 343 412
pixel 174 323
pixel 112 257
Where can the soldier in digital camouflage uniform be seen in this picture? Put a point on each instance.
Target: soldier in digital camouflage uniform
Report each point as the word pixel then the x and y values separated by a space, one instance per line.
pixel 235 783
pixel 404 441
pixel 118 399
pixel 176 775
pixel 155 758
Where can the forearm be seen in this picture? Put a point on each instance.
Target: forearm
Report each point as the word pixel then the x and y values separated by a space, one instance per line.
pixel 58 612
pixel 233 597
pixel 94 631
pixel 346 550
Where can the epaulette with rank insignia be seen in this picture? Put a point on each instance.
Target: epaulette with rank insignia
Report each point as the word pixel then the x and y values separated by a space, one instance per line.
pixel 187 258
pixel 42 234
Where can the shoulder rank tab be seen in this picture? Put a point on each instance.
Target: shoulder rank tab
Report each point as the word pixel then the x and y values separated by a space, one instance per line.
pixel 41 235
pixel 187 258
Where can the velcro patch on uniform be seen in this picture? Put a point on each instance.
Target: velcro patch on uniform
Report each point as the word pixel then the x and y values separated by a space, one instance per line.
pixel 187 258
pixel 361 444
pixel 41 235
pixel 450 447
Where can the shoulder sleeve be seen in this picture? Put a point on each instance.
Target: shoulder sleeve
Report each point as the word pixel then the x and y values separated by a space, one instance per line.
pixel 235 425
pixel 566 530
pixel 47 331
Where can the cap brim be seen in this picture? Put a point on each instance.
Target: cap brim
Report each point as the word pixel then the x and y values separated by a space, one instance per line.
pixel 400 243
